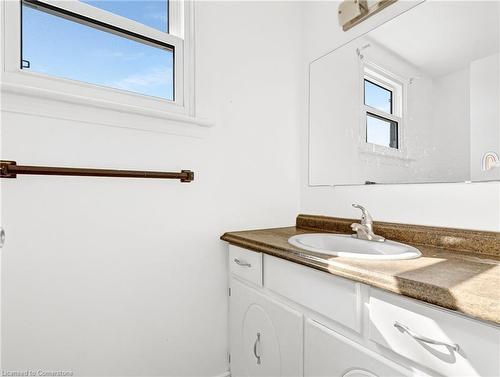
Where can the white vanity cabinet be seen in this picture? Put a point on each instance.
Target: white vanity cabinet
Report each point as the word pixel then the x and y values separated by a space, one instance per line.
pixel 266 337
pixel 291 320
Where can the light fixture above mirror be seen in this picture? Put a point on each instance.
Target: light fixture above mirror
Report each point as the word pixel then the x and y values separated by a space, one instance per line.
pixel 353 12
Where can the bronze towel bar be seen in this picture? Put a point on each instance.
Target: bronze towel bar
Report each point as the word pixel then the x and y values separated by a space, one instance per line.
pixel 9 169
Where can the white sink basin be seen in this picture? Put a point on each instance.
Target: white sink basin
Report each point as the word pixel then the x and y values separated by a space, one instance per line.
pixel 350 247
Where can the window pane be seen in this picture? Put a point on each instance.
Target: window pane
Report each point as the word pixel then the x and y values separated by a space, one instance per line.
pixel 378 97
pixel 153 13
pixel 63 48
pixel 381 131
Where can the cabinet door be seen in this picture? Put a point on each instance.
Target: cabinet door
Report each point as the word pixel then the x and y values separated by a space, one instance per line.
pixel 265 335
pixel 332 355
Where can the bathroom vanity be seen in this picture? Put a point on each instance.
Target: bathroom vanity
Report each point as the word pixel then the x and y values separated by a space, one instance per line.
pixel 300 313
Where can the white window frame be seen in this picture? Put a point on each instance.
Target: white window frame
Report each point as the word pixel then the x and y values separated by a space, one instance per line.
pixel 398 87
pixel 180 36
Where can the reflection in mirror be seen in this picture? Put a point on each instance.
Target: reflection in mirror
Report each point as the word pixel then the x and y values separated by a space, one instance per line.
pixel 415 100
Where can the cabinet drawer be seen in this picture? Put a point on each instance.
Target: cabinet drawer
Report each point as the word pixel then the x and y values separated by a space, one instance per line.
pixel 327 354
pixel 246 264
pixel 331 296
pixel 396 323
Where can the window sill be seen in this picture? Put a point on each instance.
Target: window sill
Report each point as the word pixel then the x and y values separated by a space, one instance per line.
pixel 382 152
pixel 31 91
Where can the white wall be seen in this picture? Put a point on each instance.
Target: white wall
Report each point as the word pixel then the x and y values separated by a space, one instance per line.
pixel 117 277
pixel 485 114
pixel 334 134
pixel 474 206
pixel 449 161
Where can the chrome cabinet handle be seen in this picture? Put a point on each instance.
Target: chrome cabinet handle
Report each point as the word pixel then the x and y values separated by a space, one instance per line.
pixel 257 342
pixel 424 339
pixel 242 263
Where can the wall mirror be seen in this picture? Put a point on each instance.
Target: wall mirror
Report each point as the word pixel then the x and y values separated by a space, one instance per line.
pixel 415 100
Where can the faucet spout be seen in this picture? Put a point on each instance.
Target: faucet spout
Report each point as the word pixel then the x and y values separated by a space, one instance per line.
pixel 366 218
pixel 364 230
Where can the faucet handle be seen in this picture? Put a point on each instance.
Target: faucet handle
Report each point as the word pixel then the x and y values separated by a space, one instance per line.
pixel 366 218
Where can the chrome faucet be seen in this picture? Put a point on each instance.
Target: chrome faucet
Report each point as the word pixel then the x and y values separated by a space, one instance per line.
pixel 364 231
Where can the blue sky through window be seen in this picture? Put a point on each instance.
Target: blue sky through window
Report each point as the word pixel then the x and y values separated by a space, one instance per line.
pixel 378 97
pixel 67 49
pixel 378 131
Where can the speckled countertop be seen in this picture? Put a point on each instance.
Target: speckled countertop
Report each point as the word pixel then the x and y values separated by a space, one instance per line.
pixel 465 281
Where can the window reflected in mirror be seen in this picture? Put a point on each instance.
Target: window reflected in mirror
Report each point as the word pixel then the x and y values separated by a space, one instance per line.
pixel 381 131
pixel 378 97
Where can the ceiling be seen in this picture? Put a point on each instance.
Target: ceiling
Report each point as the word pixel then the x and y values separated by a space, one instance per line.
pixel 441 37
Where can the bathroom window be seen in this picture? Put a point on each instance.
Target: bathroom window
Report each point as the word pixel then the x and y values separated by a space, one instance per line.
pixel 382 108
pixel 82 42
pixel 123 52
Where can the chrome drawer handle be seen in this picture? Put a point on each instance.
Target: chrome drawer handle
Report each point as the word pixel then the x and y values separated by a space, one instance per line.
pixel 242 263
pixel 257 341
pixel 424 339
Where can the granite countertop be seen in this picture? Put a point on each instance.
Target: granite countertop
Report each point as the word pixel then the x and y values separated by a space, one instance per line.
pixel 464 281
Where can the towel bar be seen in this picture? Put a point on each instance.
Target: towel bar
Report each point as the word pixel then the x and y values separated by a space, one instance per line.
pixel 10 169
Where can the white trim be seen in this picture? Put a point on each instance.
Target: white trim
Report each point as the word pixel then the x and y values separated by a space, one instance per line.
pixel 11 36
pixel 176 18
pixel 225 374
pixel 382 114
pixel 105 104
pixel 189 57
